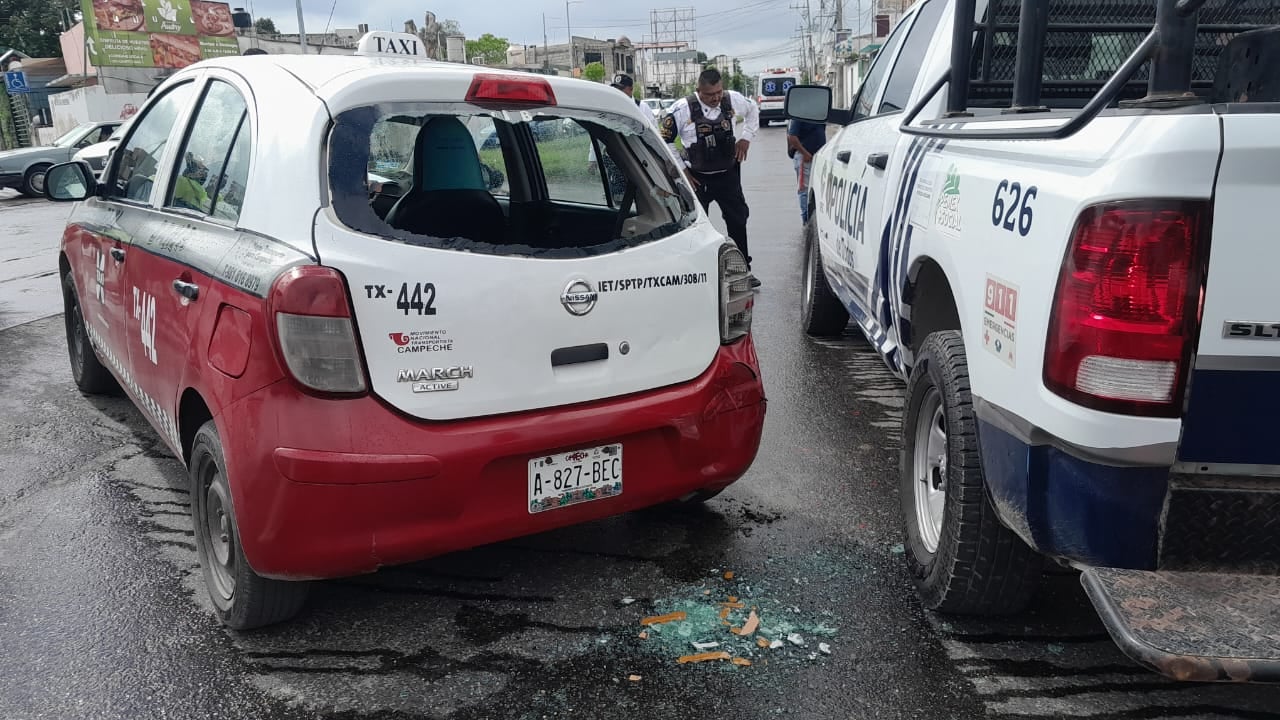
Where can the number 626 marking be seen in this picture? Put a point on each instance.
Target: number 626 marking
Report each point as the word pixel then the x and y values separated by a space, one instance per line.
pixel 1017 211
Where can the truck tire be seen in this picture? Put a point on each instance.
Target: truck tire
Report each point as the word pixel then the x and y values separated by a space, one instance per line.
pixel 962 559
pixel 33 180
pixel 821 312
pixel 88 372
pixel 242 599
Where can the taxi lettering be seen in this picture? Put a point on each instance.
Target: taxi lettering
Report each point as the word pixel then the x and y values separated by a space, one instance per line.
pixel 396 46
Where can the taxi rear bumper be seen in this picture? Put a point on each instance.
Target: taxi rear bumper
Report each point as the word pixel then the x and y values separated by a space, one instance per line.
pixel 332 488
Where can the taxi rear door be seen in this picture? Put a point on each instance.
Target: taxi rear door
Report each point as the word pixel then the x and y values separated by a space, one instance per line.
pixel 192 226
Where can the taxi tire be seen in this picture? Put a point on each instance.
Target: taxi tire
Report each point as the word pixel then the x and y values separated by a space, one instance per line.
pixel 254 601
pixel 980 566
pixel 88 372
pixel 821 312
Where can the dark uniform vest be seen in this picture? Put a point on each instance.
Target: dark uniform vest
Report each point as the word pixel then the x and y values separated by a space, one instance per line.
pixel 714 150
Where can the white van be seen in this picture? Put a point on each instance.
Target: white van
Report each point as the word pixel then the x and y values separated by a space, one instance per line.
pixel 771 93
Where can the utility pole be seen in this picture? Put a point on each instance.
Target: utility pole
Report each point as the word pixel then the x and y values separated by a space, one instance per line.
pixel 302 31
pixel 569 27
pixel 546 55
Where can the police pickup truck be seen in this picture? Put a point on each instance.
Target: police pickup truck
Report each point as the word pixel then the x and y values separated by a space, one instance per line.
pixel 1048 218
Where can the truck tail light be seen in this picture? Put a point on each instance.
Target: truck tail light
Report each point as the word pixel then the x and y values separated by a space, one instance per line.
pixel 1127 307
pixel 507 90
pixel 736 297
pixel 314 332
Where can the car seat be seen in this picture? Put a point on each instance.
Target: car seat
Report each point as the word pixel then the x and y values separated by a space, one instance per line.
pixel 448 197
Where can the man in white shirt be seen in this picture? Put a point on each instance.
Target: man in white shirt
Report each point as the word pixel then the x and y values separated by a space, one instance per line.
pixel 716 144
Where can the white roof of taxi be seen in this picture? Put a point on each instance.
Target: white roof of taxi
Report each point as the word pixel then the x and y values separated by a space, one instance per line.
pixel 369 79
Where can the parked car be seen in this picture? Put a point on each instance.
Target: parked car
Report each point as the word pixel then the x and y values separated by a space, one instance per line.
pixel 24 168
pixel 96 154
pixel 359 376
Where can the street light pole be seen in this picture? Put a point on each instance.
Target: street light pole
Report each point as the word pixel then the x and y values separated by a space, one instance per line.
pixel 302 31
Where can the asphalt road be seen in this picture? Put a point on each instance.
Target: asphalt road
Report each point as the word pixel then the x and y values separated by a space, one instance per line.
pixel 103 614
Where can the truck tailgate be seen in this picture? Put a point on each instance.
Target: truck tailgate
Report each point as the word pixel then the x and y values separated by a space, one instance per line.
pixel 1229 416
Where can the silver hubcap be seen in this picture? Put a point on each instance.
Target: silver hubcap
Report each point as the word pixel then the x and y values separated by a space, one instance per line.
pixel 930 469
pixel 217 527
pixel 37 182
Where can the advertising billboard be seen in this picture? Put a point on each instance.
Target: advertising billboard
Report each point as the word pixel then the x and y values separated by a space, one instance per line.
pixel 157 33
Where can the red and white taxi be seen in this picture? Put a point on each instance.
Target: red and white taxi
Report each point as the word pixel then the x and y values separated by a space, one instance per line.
pixel 387 308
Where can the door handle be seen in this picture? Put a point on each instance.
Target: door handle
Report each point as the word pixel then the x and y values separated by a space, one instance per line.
pixel 118 254
pixel 187 290
pixel 843 156
pixel 878 161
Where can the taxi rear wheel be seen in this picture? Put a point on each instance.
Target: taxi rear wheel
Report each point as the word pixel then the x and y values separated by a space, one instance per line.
pixel 821 312
pixel 963 560
pixel 242 599
pixel 90 375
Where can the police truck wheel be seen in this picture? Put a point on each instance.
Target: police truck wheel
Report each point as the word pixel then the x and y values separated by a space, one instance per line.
pixel 90 375
pixel 242 599
pixel 963 560
pixel 821 312
pixel 33 180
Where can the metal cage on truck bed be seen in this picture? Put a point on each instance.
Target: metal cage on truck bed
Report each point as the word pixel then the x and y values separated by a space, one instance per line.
pixel 1027 56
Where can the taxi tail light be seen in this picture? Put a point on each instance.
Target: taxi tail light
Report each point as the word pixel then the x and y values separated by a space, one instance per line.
pixel 1127 307
pixel 737 300
pixel 314 331
pixel 488 89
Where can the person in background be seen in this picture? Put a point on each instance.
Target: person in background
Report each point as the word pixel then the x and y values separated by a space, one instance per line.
pixel 617 182
pixel 803 140
pixel 188 190
pixel 705 124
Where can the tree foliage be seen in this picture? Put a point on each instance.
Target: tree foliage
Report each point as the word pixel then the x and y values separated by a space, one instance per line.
pixel 594 71
pixel 492 49
pixel 266 26
pixel 32 26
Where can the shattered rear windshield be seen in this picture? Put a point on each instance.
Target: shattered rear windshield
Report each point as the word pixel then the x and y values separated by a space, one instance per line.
pixel 569 184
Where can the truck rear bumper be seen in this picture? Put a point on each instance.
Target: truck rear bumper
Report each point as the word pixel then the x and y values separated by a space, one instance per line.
pixel 1071 508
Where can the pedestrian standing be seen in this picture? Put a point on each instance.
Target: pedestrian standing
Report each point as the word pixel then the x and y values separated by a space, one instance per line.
pixel 803 140
pixel 617 183
pixel 715 149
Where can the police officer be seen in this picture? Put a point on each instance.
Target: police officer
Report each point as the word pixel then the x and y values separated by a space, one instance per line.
pixel 624 83
pixel 707 123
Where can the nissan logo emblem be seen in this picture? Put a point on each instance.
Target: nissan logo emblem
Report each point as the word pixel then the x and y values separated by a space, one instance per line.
pixel 578 297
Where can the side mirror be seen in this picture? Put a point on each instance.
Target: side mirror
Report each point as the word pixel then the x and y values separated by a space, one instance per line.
pixel 812 103
pixel 69 181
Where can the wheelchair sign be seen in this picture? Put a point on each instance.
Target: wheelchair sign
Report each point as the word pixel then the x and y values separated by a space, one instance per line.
pixel 16 82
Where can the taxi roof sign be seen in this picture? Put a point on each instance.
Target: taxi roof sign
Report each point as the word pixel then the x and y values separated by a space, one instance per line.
pixel 385 43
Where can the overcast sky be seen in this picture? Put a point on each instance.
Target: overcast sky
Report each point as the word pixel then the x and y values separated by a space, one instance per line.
pixel 761 32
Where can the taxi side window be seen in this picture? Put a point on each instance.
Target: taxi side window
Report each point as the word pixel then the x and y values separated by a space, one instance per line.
pixel 201 180
pixel 140 153
pixel 570 164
